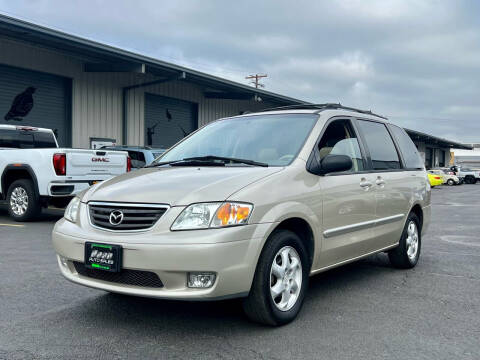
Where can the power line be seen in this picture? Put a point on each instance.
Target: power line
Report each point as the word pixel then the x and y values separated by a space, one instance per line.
pixel 256 82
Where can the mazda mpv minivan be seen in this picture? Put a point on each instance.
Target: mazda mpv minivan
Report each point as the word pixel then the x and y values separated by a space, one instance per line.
pixel 251 206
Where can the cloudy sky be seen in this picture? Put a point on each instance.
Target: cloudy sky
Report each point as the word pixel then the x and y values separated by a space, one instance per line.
pixel 415 61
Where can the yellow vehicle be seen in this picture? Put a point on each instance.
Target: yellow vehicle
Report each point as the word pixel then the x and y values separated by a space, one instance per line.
pixel 435 179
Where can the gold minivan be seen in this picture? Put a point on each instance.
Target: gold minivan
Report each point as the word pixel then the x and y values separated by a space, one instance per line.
pixel 251 206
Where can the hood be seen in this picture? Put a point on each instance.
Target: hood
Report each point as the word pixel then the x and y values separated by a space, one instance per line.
pixel 177 185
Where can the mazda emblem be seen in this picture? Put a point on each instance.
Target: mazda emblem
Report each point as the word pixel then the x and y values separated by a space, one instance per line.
pixel 116 217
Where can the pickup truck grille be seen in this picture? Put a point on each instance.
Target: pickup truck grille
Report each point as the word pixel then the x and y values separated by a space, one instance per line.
pixel 125 216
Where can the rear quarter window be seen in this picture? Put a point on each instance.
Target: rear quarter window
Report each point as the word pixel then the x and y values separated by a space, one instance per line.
pixel 407 148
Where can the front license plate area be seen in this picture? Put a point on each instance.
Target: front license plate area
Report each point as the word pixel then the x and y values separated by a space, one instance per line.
pixel 103 257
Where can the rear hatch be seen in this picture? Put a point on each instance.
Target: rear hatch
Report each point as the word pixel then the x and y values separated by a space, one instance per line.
pixel 95 162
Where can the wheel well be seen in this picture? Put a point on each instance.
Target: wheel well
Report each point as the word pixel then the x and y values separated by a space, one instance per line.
pixel 12 175
pixel 303 230
pixel 417 210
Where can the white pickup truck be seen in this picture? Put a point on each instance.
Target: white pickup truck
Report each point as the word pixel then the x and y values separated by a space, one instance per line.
pixel 469 176
pixel 36 173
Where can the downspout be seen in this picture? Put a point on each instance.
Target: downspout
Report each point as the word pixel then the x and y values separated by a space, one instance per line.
pixel 126 89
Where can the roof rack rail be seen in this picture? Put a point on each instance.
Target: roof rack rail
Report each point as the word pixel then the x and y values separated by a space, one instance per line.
pixel 326 106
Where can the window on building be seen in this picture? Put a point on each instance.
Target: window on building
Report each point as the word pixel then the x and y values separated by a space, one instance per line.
pixel 382 149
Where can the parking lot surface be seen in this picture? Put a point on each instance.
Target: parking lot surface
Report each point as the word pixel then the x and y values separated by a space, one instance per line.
pixel 364 310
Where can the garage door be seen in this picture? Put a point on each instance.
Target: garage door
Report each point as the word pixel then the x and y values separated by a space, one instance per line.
pixel 168 120
pixel 36 99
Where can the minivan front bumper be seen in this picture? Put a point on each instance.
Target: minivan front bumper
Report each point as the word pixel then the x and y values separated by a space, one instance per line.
pixel 233 262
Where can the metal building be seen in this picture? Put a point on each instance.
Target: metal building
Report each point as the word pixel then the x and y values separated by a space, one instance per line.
pixel 86 90
pixel 435 150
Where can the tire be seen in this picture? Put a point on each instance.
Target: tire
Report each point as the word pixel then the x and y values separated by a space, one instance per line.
pixel 470 180
pixel 23 200
pixel 450 182
pixel 260 306
pixel 400 257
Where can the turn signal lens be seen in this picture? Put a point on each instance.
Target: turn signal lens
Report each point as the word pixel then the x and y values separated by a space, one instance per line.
pixel 232 214
pixel 212 215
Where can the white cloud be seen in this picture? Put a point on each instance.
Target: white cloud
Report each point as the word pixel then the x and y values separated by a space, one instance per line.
pixel 417 61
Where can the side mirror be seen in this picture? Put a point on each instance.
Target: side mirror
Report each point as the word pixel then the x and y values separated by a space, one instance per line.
pixel 335 163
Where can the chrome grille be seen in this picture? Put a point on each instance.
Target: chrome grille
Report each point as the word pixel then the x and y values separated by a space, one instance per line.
pixel 135 217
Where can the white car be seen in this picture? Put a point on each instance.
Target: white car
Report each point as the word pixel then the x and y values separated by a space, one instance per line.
pixel 448 177
pixel 35 173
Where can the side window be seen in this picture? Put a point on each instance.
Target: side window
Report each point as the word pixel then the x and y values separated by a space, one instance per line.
pixel 382 149
pixel 340 139
pixel 138 159
pixel 408 149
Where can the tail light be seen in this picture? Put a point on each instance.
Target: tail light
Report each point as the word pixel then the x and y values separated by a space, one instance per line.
pixel 129 164
pixel 60 164
pixel 437 177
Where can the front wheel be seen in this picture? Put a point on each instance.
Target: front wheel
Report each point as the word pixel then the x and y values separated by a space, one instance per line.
pixel 280 280
pixel 450 182
pixel 407 253
pixel 22 200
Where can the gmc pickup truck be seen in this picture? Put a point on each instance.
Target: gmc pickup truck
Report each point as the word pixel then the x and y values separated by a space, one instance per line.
pixel 35 173
pixel 469 176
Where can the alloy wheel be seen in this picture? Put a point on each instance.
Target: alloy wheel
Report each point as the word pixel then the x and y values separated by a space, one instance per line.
pixel 19 201
pixel 412 240
pixel 286 278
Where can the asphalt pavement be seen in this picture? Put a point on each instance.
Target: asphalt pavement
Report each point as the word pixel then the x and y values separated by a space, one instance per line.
pixel 365 310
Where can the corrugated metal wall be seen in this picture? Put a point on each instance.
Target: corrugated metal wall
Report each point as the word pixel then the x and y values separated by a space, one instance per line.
pixel 50 100
pixel 97 97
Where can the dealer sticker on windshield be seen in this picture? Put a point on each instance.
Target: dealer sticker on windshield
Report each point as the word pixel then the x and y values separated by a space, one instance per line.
pixel 103 257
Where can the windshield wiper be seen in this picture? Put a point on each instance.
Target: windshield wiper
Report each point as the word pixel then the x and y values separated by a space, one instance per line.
pixel 186 162
pixel 227 159
pixel 209 160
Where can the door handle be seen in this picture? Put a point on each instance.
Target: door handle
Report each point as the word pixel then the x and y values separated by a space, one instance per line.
pixel 380 181
pixel 365 184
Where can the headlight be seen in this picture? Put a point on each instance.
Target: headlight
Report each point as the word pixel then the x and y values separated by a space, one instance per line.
pixel 212 215
pixel 71 212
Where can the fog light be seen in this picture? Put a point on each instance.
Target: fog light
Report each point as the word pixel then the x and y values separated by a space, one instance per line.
pixel 63 261
pixel 201 280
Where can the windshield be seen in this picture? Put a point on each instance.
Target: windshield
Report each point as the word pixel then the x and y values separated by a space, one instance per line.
pixel 271 139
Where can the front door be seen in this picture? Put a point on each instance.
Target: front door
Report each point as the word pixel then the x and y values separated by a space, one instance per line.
pixel 348 198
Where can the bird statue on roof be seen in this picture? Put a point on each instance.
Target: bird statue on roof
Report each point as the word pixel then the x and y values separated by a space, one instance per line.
pixel 21 105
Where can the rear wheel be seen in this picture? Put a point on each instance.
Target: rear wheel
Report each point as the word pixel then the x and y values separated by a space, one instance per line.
pixel 23 200
pixel 280 280
pixel 470 180
pixel 450 182
pixel 407 253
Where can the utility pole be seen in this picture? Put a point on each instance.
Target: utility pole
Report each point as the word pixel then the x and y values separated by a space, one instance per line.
pixel 257 77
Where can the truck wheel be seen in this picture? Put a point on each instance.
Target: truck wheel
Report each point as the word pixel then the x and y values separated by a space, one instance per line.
pixel 406 254
pixel 470 180
pixel 450 182
pixel 23 200
pixel 280 280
